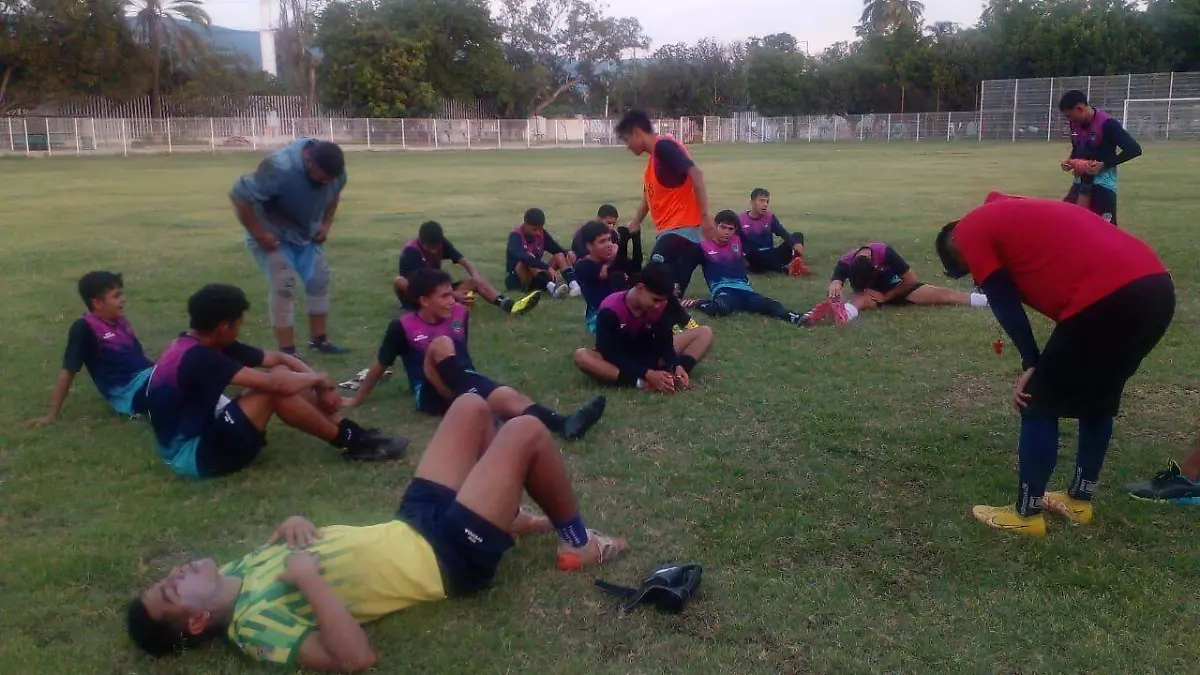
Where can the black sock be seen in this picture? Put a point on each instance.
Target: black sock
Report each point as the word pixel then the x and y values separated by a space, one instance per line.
pixel 553 421
pixel 569 274
pixel 290 351
pixel 627 379
pixel 688 362
pixel 500 300
pixel 348 433
pixel 320 339
pixel 453 375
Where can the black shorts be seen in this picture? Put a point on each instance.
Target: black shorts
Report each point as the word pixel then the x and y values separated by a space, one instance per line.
pixel 467 546
pixel 512 282
pixel 1103 201
pixel 229 444
pixel 681 254
pixel 1089 356
pixel 898 301
pixel 430 402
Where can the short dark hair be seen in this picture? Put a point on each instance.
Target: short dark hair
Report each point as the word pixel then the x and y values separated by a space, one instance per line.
pixel 592 230
pixel 431 233
pixel 658 278
pixel 634 119
pixel 535 217
pixel 607 211
pixel 425 281
pixel 158 637
pixel 329 158
pixel 759 192
pixel 1071 99
pixel 727 217
pixel 96 284
pixel 214 305
pixel 862 273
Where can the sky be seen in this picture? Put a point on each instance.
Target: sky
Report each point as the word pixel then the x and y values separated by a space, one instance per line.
pixel 819 22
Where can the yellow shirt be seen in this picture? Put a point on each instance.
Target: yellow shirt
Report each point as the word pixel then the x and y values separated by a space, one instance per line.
pixel 373 570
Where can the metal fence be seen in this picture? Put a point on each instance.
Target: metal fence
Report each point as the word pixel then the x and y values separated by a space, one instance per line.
pixel 1154 106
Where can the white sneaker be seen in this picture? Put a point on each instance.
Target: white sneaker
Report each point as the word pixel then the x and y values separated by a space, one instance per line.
pixel 557 291
pixel 576 291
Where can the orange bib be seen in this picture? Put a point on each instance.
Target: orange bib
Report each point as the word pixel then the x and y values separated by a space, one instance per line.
pixel 670 208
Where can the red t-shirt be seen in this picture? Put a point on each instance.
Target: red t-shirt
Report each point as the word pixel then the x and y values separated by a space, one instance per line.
pixel 1062 258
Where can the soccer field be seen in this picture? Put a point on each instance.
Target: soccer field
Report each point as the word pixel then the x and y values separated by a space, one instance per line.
pixel 822 477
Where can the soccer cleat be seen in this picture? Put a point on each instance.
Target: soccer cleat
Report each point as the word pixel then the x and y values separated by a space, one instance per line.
pixel 599 550
pixel 558 291
pixel 525 304
pixel 1169 487
pixel 326 347
pixel 374 446
pixel 578 422
pixel 576 291
pixel 818 313
pixel 797 319
pixel 798 268
pixel 691 323
pixel 1006 518
pixel 838 308
pixel 469 300
pixel 1078 511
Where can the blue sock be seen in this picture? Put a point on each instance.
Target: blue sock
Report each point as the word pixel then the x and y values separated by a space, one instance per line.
pixel 573 532
pixel 1038 453
pixel 1094 436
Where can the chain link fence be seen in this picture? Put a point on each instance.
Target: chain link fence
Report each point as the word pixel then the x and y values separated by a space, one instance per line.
pixel 1162 106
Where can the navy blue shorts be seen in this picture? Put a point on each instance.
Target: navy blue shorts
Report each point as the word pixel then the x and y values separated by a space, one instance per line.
pixel 229 444
pixel 899 300
pixel 468 547
pixel 430 402
pixel 1103 201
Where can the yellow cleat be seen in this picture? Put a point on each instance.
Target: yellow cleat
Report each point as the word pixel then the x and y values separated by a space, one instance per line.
pixel 470 299
pixel 1078 511
pixel 526 303
pixel 1006 518
pixel 677 329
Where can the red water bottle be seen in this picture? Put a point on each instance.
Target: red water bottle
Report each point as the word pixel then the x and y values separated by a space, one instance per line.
pixel 998 345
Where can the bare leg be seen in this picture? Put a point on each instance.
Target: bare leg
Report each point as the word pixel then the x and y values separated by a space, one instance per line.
pixel 285 336
pixel 440 349
pixel 590 362
pixel 298 411
pixel 862 302
pixel 525 275
pixel 934 295
pixel 522 457
pixel 485 289
pixel 559 262
pixel 694 342
pixel 400 286
pixel 460 440
pixel 507 403
pixel 316 326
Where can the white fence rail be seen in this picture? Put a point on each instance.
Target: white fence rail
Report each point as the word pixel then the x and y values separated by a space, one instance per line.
pixel 1162 120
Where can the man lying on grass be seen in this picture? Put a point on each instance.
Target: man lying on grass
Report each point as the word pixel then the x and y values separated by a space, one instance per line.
pixel 299 600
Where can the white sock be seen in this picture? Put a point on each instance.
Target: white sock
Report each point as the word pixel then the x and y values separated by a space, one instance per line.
pixel 550 286
pixel 851 312
pixel 979 300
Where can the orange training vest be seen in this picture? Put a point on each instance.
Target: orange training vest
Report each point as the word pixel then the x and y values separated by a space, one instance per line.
pixel 670 208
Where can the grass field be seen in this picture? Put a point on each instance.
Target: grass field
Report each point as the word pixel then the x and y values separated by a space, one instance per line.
pixel 822 477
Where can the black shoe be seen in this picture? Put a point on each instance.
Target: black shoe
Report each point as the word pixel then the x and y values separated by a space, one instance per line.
pixel 376 447
pixel 585 418
pixel 327 347
pixel 1170 486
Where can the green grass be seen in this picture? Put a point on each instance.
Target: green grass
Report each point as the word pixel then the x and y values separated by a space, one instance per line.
pixel 822 477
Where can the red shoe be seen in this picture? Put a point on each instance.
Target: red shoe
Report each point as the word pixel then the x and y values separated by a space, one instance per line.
pixel 818 313
pixel 798 268
pixel 838 307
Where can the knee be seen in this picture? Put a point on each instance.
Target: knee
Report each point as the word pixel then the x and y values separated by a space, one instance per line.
pixel 704 333
pixel 472 406
pixel 441 348
pixel 581 357
pixel 530 430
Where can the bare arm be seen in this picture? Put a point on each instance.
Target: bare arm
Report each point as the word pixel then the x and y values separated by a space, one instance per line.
pixel 280 381
pixel 906 284
pixel 643 210
pixel 339 644
pixel 327 219
pixel 62 388
pixel 708 228
pixel 472 270
pixel 272 359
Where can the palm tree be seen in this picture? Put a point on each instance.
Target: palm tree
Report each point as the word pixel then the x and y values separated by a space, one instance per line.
pixel 881 16
pixel 169 25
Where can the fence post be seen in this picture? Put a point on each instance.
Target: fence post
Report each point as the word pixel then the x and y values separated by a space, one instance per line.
pixel 331 129
pixel 889 129
pixel 1050 111
pixel 50 151
pixel 556 133
pixel 861 124
pixel 124 139
pixel 212 134
pixel 95 145
pixel 433 125
pixel 704 128
pixel 528 133
pixel 468 134
pixel 1089 89
pixel 170 147
pixel 499 133
pixel 368 120
pixel 810 130
pixel 918 127
pixel 1170 95
pixel 1016 96
pixel 12 145
pixel 78 148
pixel 25 126
pixel 949 126
pixel 403 139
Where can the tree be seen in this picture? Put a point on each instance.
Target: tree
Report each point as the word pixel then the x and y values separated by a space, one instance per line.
pixel 161 25
pixel 883 16
pixel 1177 22
pixel 294 40
pixel 554 46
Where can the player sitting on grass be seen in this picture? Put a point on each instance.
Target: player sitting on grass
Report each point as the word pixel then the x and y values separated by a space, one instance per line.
pixel 299 600
pixel 1176 485
pixel 603 270
pixel 527 245
pixel 635 345
pixel 201 433
pixel 879 277
pixel 432 344
pixel 725 273
pixel 104 342
pixel 759 227
pixel 620 236
pixel 429 249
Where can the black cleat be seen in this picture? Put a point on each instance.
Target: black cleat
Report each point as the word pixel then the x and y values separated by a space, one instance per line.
pixel 1168 487
pixel 374 446
pixel 585 418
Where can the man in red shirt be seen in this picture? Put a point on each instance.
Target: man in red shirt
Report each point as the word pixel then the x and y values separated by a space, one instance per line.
pixel 1111 299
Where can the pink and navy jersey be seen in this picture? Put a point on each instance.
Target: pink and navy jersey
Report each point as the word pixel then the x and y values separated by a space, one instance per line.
pixel 111 352
pixel 184 392
pixel 409 336
pixel 724 266
pixel 414 257
pixel 634 343
pixel 889 266
pixel 1100 140
pixel 529 249
pixel 759 233
pixel 580 249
